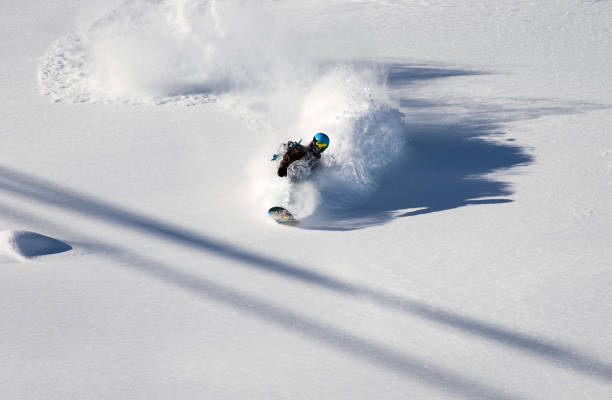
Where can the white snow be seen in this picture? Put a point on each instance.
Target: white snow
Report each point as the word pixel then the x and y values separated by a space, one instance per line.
pixel 455 243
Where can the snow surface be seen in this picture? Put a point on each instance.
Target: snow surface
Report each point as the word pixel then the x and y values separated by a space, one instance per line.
pixel 455 244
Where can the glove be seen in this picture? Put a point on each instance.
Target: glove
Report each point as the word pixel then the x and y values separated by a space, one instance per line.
pixel 282 171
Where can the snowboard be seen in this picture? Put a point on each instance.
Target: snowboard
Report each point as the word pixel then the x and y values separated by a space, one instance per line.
pixel 281 215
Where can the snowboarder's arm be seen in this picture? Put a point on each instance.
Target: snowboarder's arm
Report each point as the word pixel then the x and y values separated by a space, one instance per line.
pixel 293 154
pixel 290 151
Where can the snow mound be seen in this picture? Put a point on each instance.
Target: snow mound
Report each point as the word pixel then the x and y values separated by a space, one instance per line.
pixel 25 244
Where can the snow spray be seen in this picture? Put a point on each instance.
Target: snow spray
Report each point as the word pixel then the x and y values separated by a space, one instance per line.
pixel 245 57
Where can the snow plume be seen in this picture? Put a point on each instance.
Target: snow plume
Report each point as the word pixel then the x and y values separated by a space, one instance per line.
pixel 243 55
pixel 366 134
pixel 158 51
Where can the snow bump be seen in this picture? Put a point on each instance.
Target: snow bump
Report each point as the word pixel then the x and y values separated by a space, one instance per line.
pixel 25 244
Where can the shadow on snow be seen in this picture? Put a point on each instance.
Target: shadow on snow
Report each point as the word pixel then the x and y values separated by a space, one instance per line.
pixel 33 188
pixel 401 363
pixel 444 166
pixel 448 158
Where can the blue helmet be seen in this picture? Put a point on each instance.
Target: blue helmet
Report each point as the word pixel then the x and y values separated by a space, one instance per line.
pixel 320 141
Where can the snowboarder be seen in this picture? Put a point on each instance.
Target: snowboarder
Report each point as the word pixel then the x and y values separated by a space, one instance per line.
pixel 294 151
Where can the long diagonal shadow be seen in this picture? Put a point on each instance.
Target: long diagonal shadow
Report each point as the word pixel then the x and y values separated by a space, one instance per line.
pixel 428 373
pixel 397 362
pixel 37 189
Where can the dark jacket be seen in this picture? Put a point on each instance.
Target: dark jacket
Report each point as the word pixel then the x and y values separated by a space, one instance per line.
pixel 296 152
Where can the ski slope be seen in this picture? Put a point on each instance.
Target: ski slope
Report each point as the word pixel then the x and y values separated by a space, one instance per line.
pixel 455 244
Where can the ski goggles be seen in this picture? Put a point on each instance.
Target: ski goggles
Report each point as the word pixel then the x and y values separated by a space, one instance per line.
pixel 320 145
